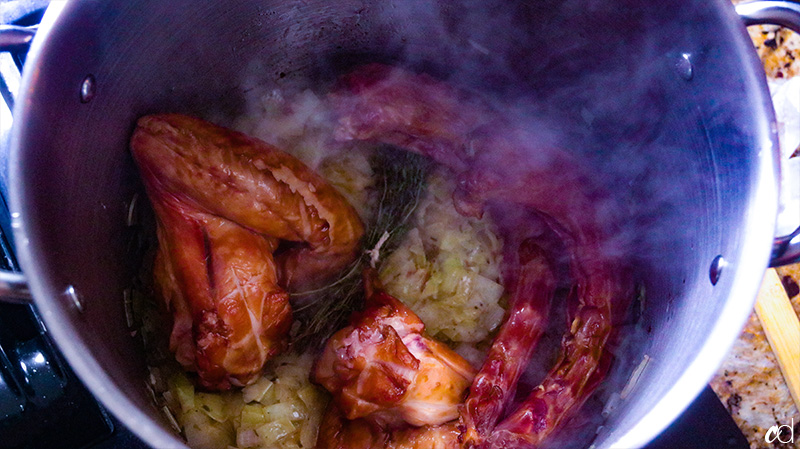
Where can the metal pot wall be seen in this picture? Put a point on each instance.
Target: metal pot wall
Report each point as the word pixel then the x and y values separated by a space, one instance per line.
pixel 667 99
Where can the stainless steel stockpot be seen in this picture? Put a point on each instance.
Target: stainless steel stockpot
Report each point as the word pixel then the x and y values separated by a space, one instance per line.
pixel 667 99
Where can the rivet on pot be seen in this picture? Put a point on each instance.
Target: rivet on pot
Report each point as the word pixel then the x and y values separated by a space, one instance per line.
pixel 684 66
pixel 715 271
pixel 88 87
pixel 73 296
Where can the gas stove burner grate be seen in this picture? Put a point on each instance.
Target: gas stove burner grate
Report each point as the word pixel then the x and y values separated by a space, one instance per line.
pixel 42 403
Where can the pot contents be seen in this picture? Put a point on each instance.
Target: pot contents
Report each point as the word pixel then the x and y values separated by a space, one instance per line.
pixel 224 202
pixel 382 279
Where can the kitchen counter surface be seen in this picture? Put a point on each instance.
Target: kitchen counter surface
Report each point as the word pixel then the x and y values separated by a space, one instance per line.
pixel 749 382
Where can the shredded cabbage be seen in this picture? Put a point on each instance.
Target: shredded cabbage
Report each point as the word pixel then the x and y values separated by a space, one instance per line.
pixel 447 269
pixel 282 410
pixel 300 124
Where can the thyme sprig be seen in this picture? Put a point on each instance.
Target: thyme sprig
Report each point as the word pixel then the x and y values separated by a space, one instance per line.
pixel 400 183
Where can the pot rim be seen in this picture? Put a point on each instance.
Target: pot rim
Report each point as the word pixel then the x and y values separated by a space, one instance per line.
pixel 755 252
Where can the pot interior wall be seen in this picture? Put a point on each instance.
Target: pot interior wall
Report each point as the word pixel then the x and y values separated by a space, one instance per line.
pixel 667 112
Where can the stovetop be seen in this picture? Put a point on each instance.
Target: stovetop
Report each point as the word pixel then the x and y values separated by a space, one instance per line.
pixel 44 405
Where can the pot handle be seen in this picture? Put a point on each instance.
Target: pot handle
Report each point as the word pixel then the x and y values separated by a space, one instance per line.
pixel 770 12
pixel 13 286
pixel 13 37
pixel 785 249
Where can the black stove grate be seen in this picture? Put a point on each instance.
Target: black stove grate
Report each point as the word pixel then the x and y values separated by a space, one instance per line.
pixel 42 403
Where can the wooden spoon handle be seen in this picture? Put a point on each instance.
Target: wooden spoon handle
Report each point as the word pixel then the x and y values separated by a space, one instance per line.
pixel 782 327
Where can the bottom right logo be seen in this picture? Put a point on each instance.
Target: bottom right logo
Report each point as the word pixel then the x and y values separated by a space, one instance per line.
pixel 782 434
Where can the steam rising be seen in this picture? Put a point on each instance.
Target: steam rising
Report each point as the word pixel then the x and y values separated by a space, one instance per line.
pixel 593 95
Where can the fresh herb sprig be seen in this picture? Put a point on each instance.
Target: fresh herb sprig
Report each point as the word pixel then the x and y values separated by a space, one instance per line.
pixel 400 183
